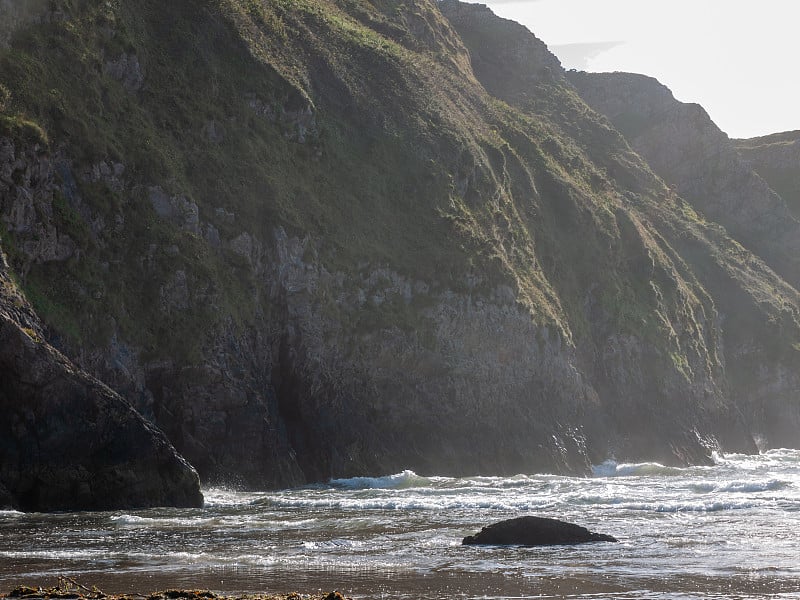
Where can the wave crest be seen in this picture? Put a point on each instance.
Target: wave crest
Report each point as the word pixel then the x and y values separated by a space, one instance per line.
pixel 404 480
pixel 741 487
pixel 611 468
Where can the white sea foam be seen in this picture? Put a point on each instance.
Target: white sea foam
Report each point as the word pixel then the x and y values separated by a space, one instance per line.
pixel 515 481
pixel 126 520
pixel 338 544
pixel 689 507
pixel 88 553
pixel 418 503
pixel 778 457
pixel 251 523
pixel 222 497
pixel 789 454
pixel 741 487
pixel 134 520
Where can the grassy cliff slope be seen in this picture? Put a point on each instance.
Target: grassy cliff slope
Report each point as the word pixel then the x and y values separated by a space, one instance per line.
pixel 776 158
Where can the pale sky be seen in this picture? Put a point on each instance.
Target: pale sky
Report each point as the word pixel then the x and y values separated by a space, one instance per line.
pixel 737 58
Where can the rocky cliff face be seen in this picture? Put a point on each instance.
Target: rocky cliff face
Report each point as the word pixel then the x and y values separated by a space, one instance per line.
pixel 739 348
pixel 699 162
pixel 393 238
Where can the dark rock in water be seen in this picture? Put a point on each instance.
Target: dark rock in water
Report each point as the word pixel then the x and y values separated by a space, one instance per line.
pixel 535 531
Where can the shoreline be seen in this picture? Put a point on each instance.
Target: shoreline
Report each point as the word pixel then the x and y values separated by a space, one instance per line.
pixel 69 589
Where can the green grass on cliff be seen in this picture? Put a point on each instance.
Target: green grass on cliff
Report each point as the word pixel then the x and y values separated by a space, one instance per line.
pixel 411 165
pixel 367 183
pixel 22 130
pixel 401 127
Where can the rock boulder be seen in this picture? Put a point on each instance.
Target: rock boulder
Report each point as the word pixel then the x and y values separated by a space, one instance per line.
pixel 534 531
pixel 67 441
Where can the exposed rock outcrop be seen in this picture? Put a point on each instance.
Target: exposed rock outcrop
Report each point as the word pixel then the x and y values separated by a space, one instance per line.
pixel 534 531
pixel 15 13
pixel 509 70
pixel 67 442
pixel 27 183
pixel 127 70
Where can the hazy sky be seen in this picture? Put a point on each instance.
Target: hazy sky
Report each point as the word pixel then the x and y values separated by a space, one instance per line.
pixel 738 58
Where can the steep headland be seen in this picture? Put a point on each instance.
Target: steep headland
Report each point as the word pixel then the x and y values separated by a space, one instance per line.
pixel 776 158
pixel 339 237
pixel 693 156
pixel 538 92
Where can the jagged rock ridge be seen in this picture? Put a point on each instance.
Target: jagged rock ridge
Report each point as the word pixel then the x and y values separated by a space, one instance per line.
pixel 776 158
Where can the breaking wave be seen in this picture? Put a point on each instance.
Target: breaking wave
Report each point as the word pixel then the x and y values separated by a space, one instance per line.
pixel 611 468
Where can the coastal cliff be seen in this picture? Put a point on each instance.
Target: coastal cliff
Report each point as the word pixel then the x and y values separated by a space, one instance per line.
pixel 336 238
pixel 699 162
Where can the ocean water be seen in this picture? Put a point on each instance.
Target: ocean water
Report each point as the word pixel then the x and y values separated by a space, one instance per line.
pixel 727 531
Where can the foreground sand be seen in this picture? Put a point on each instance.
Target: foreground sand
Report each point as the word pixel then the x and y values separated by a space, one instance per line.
pixel 68 589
